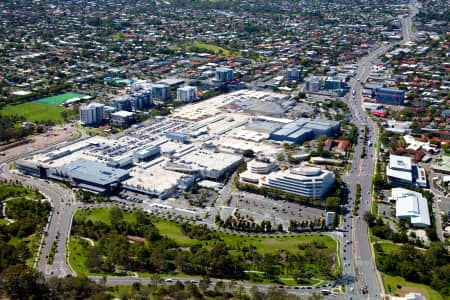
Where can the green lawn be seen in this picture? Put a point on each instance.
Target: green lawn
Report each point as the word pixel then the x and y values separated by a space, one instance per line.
pixel 211 48
pixel 388 247
pixel 102 214
pixel 59 99
pixel 392 284
pixel 263 244
pixel 78 255
pixel 3 221
pixel 33 111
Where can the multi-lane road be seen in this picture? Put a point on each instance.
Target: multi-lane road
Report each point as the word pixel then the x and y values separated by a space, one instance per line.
pixel 360 271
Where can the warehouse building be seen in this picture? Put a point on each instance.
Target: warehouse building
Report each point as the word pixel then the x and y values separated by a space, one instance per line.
pixel 305 129
pixel 303 181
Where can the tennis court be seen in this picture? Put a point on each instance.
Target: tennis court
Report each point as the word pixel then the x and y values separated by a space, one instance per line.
pixel 59 99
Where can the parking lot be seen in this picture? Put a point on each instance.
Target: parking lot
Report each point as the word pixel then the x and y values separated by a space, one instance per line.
pixel 260 209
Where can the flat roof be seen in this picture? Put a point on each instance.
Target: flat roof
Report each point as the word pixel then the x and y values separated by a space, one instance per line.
pixel 154 178
pixel 93 171
pixel 212 160
pixel 443 164
pixel 400 162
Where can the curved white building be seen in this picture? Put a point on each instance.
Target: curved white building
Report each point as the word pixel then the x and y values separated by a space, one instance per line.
pixel 304 181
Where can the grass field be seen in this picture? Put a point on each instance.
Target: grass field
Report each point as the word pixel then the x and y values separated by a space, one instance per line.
pixel 211 48
pixel 263 244
pixel 396 285
pixel 79 248
pixel 102 214
pixel 33 111
pixel 78 255
pixel 388 247
pixel 59 99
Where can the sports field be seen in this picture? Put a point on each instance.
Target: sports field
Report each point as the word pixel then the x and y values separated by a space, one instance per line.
pixel 59 99
pixel 33 111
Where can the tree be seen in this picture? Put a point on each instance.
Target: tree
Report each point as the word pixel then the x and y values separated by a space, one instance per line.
pixel 336 221
pixel 369 218
pixel 332 203
pixel 155 278
pixel 248 153
pixel 204 283
pixel 21 282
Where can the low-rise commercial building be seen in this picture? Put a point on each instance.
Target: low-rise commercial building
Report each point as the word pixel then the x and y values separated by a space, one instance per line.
pixel 257 168
pixel 122 117
pixel 401 171
pixel 411 205
pixel 442 165
pixel 205 163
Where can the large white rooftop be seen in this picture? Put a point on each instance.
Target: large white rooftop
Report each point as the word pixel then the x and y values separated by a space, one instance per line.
pixel 410 204
pixel 400 162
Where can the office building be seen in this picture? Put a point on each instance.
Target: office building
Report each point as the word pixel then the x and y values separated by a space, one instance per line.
pixel 334 83
pixel 122 103
pixel 411 205
pixel 313 84
pixel 390 96
pixel 91 114
pixel 399 170
pixel 141 100
pixel 303 181
pixel 122 118
pixel 161 92
pixel 224 74
pixel 293 74
pixel 304 129
pixel 187 93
